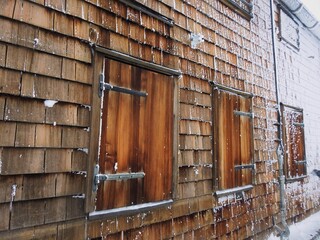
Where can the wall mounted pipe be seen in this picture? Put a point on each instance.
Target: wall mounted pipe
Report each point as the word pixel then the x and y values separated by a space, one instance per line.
pixel 284 233
pixel 303 14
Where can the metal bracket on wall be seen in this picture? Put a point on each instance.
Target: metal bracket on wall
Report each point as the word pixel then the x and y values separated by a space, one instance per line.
pixel 98 177
pixel 245 114
pixel 106 86
pixel 297 124
pixel 244 166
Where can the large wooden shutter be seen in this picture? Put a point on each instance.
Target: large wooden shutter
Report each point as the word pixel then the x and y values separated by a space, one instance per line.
pixel 293 132
pixel 136 136
pixel 232 139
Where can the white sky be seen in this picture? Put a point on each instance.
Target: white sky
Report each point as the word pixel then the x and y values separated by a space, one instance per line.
pixel 313 6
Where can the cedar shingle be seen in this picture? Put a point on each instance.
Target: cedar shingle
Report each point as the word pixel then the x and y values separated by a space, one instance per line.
pixel 25 135
pixel 24 110
pixel 63 24
pixel 47 136
pixel 7 8
pixel 2 104
pixel 58 160
pixel 8 130
pixel 38 186
pixel 4 220
pixel 22 161
pixel 27 213
pixel 34 14
pixel 9 81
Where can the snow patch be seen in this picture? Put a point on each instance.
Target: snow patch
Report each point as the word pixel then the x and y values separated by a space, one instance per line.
pixel 306 229
pixel 85 150
pixel 13 194
pixel 50 103
pixel 79 196
pixel 35 42
pixel 115 167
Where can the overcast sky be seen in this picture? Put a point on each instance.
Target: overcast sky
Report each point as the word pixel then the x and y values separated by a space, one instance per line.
pixel 313 6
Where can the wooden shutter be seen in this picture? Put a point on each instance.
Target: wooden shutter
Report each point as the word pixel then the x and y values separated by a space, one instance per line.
pixel 136 136
pixel 293 133
pixel 232 139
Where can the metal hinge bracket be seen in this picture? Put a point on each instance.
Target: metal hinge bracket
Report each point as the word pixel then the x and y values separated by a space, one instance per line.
pixel 106 86
pixel 245 166
pixel 245 114
pixel 98 177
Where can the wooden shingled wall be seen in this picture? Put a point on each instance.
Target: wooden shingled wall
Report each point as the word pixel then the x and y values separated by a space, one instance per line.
pixel 45 55
pixel 43 150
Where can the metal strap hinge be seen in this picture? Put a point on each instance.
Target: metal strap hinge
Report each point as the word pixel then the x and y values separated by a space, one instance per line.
pixel 244 166
pixel 302 162
pixel 107 86
pixel 245 114
pixel 298 124
pixel 98 177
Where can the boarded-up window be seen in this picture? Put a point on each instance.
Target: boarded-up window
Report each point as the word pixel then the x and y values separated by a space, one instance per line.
pixel 136 136
pixel 293 138
pixel 233 144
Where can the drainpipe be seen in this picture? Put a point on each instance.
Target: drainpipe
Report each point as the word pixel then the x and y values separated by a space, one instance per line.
pixel 284 233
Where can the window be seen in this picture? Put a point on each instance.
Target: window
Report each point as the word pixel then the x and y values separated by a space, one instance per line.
pixel 293 139
pixel 136 147
pixel 289 29
pixel 242 7
pixel 233 142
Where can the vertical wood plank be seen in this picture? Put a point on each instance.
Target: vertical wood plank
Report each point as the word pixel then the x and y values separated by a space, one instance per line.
pixel 95 102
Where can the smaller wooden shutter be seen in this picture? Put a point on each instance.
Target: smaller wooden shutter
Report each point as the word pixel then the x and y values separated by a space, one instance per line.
pixel 232 139
pixel 293 136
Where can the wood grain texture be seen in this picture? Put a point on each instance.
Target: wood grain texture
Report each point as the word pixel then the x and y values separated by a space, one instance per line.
pixel 232 139
pixel 136 136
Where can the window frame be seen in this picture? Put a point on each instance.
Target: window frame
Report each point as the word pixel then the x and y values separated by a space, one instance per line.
pixel 233 4
pixel 284 136
pixel 218 191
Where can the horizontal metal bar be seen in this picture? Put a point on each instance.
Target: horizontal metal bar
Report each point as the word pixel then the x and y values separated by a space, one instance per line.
pixel 244 114
pixel 119 176
pixel 221 193
pixel 110 87
pixel 244 166
pixel 137 62
pixel 302 162
pixel 233 90
pixel 293 179
pixel 107 86
pixel 138 6
pixel 139 208
pixel 298 124
pixel 297 109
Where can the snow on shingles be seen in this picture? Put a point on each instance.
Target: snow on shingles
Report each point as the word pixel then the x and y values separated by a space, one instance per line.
pixel 304 230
